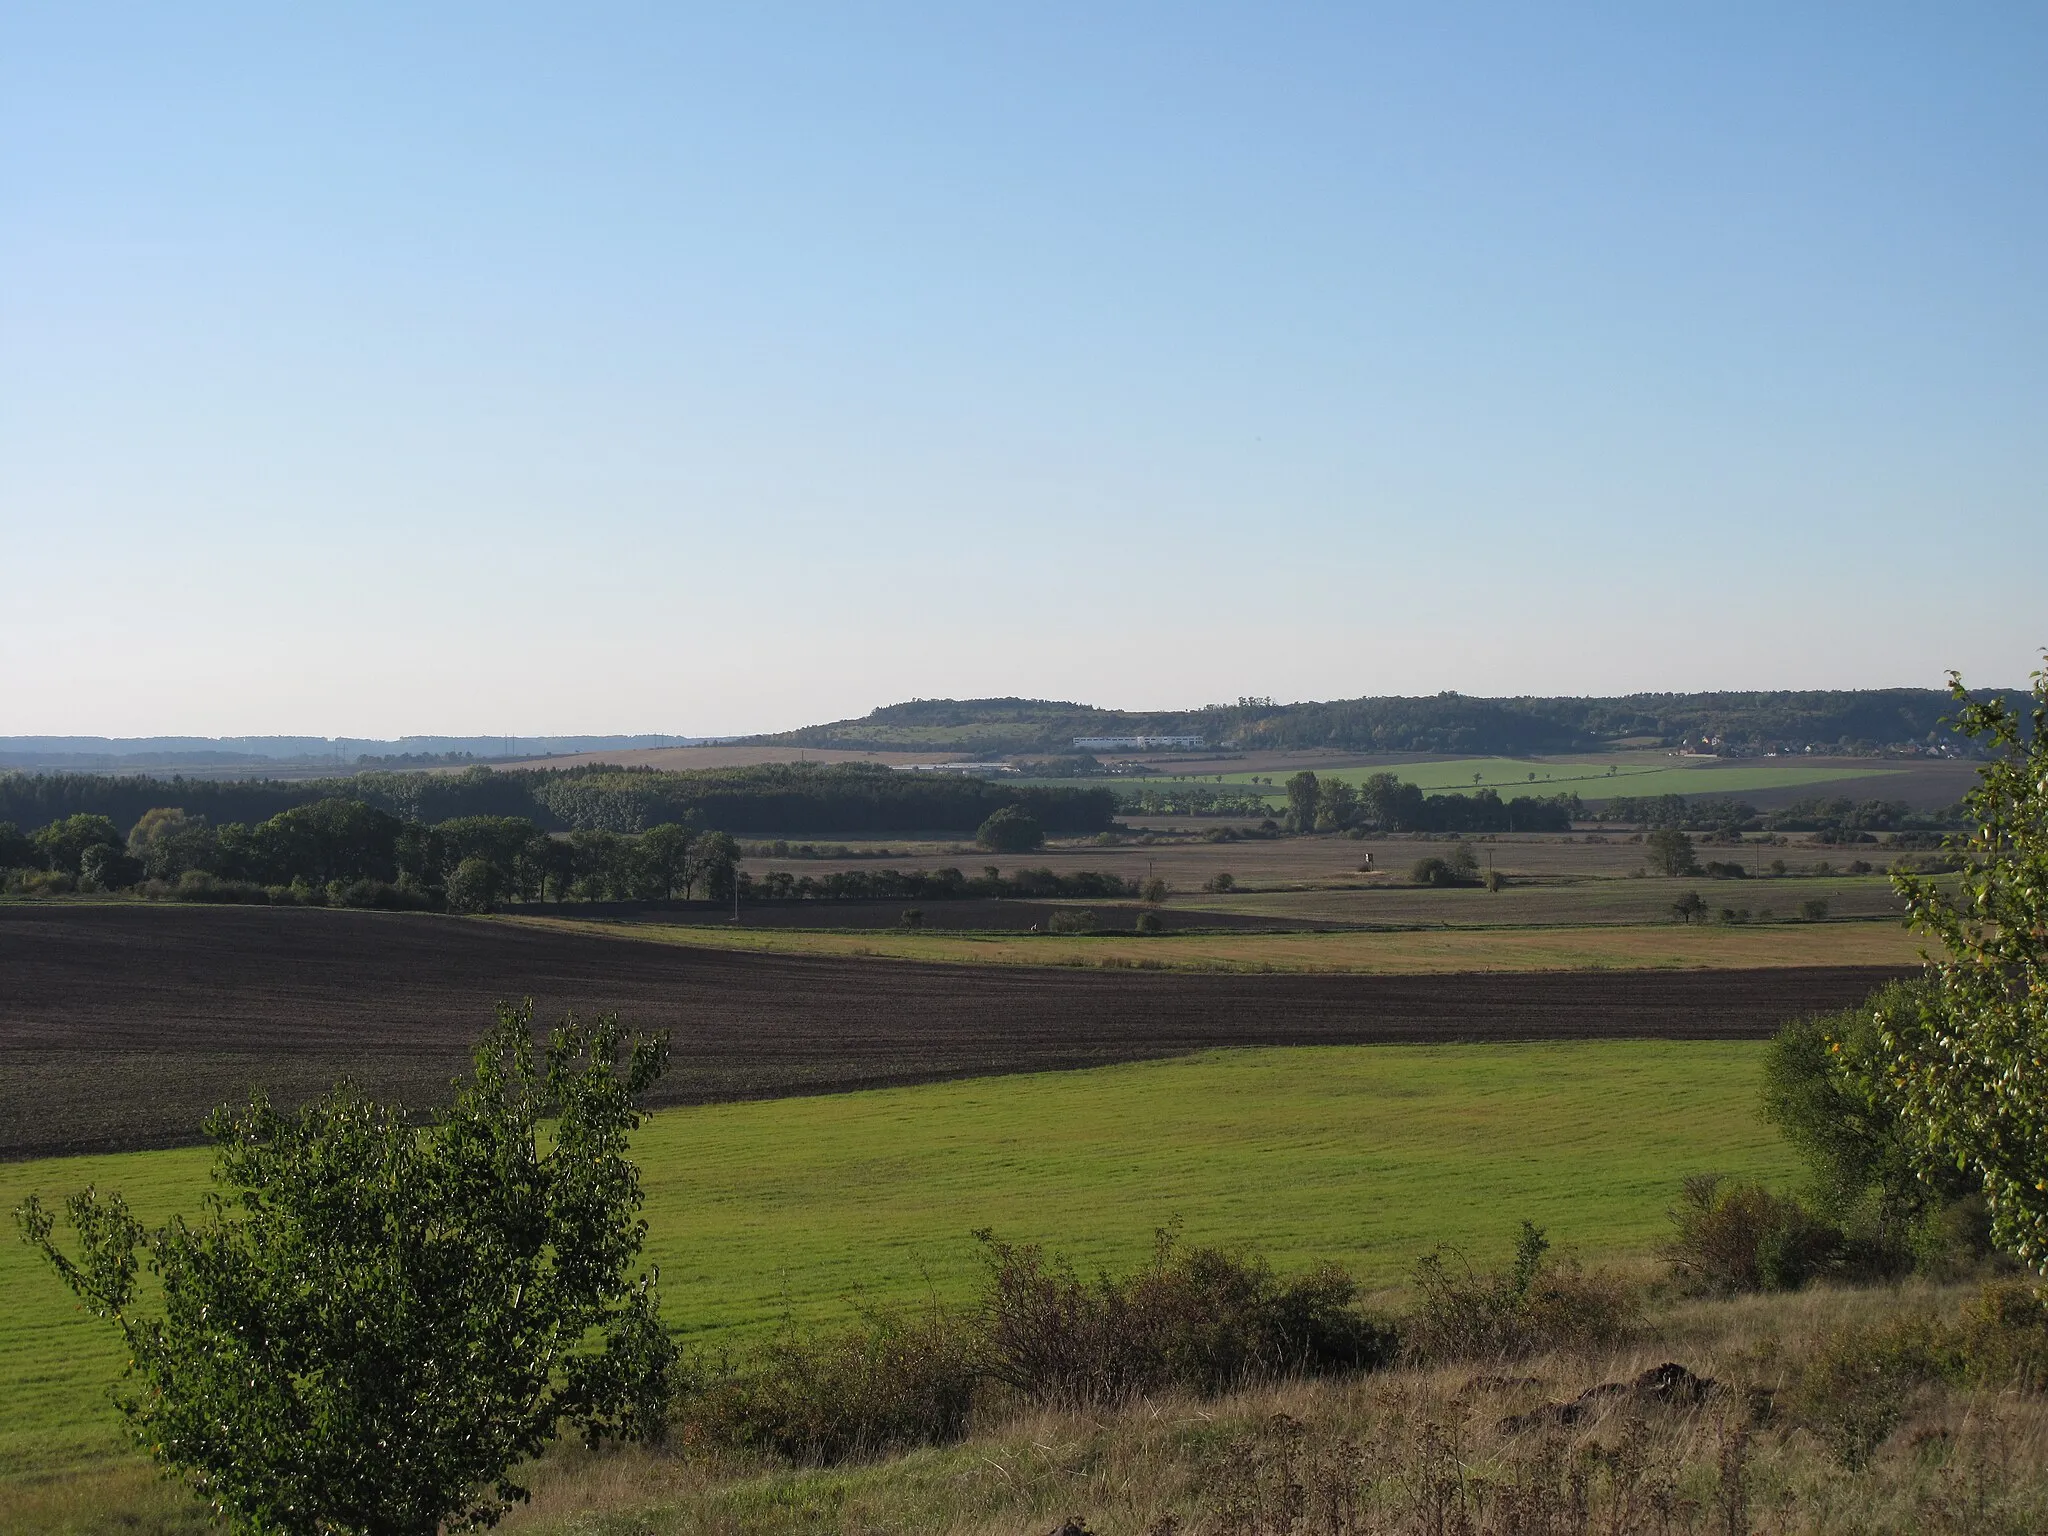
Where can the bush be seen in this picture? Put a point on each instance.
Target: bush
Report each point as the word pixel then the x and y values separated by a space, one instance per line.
pixel 889 1382
pixel 1217 884
pixel 405 895
pixel 1526 1306
pixel 2004 1337
pixel 911 917
pixel 1856 1388
pixel 198 885
pixel 40 882
pixel 1739 1236
pixel 1071 922
pixel 1194 1320
pixel 1815 909
pixel 1148 922
pixel 1010 830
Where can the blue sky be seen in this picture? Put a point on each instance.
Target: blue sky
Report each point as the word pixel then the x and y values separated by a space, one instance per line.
pixel 721 369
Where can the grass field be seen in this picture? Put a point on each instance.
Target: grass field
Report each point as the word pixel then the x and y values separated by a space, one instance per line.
pixel 1369 1155
pixel 1659 946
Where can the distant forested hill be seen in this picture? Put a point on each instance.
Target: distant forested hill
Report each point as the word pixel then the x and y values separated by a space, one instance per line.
pixel 1868 720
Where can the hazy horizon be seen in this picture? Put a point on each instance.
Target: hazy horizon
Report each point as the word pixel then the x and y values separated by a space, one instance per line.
pixel 724 371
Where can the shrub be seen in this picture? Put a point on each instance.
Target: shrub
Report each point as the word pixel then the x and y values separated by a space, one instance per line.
pixel 1195 1320
pixel 911 917
pixel 1526 1306
pixel 1856 1388
pixel 404 895
pixel 2004 1337
pixel 1148 922
pixel 1739 1236
pixel 1010 830
pixel 1218 883
pixel 1435 872
pixel 41 882
pixel 1071 922
pixel 891 1381
pixel 1153 891
pixel 198 885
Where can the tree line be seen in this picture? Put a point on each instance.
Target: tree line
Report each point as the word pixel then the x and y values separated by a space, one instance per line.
pixel 1386 803
pixel 773 799
pixel 347 853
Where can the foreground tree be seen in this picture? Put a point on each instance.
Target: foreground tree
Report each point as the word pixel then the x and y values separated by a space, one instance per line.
pixel 374 1322
pixel 1968 1051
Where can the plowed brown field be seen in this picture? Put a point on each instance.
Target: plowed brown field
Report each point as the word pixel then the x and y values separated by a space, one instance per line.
pixel 121 1025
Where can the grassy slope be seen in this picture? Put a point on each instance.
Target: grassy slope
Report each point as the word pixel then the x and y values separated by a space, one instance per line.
pixel 1364 1154
pixel 1661 946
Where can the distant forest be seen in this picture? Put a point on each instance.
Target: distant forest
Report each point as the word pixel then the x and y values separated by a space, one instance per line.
pixel 773 800
pixel 1851 722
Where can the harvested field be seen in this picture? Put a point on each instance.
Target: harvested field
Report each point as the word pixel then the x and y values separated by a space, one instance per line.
pixel 1403 951
pixel 120 1025
pixel 974 915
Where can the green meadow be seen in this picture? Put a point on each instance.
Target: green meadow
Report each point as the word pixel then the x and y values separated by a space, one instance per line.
pixel 808 1208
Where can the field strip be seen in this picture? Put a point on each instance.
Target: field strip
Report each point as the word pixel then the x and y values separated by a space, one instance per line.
pixel 1663 946
pixel 810 1207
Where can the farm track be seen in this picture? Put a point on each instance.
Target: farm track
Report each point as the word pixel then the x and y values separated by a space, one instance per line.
pixel 120 1026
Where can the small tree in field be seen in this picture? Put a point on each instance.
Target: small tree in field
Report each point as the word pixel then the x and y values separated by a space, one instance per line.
pixel 1688 907
pixel 1670 852
pixel 374 1321
pixel 1010 830
pixel 1969 1051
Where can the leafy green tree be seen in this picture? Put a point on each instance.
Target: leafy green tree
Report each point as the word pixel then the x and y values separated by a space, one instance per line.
pixel 1688 907
pixel 375 1322
pixel 716 865
pixel 505 843
pixel 1391 804
pixel 109 868
pixel 1968 1049
pixel 1302 792
pixel 1825 1088
pixel 167 841
pixel 328 840
pixel 16 851
pixel 1336 805
pixel 474 885
pixel 1670 852
pixel 666 850
pixel 62 844
pixel 1011 830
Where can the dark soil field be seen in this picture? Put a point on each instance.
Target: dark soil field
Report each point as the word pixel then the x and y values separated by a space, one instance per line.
pixel 120 1026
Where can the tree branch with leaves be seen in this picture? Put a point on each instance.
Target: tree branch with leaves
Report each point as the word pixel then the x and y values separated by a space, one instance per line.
pixel 374 1322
